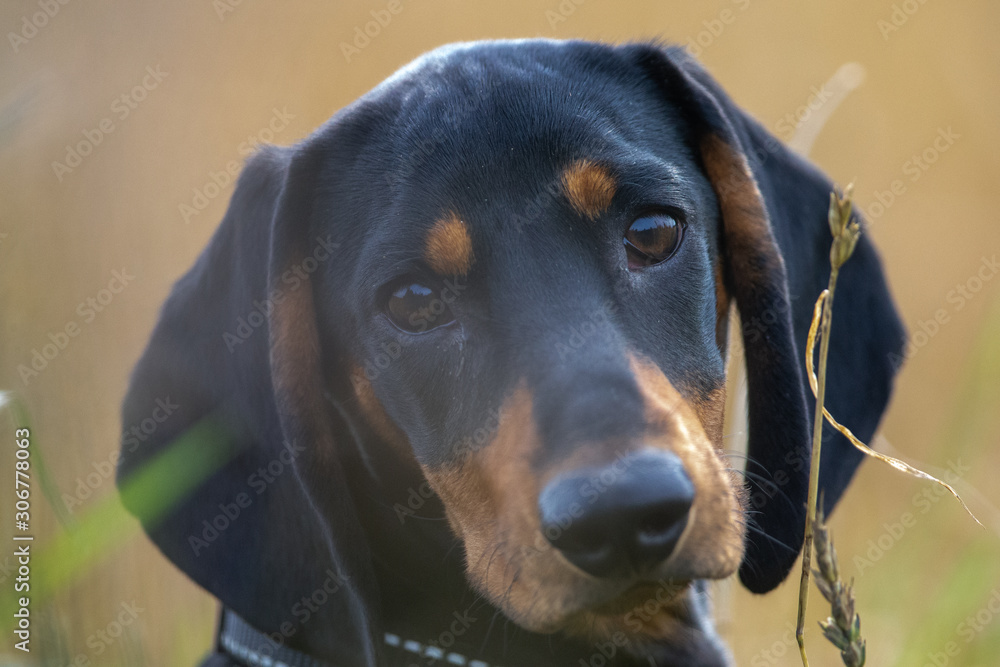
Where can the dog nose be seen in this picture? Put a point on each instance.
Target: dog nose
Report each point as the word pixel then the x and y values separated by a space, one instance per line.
pixel 619 519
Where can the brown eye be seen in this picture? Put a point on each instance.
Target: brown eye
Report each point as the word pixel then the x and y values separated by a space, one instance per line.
pixel 652 239
pixel 416 308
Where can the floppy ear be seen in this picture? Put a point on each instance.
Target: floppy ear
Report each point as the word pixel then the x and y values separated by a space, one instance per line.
pixel 237 342
pixel 775 243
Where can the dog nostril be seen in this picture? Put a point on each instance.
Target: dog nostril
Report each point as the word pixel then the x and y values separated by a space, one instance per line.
pixel 661 530
pixel 577 541
pixel 654 526
pixel 630 524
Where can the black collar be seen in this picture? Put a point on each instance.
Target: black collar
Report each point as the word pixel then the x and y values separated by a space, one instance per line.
pixel 253 648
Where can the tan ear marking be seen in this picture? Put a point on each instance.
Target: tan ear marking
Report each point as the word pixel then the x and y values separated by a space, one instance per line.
pixel 739 197
pixel 750 244
pixel 589 187
pixel 448 248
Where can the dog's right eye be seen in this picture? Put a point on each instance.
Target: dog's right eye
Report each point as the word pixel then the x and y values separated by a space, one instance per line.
pixel 652 239
pixel 416 308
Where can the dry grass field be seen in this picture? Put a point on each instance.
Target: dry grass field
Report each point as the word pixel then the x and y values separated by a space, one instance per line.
pixel 901 97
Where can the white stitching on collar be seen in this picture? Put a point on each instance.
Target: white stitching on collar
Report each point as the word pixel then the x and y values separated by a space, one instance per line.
pixel 238 636
pixel 433 652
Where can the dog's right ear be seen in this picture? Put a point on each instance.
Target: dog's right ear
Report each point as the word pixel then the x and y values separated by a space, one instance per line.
pixel 238 345
pixel 774 245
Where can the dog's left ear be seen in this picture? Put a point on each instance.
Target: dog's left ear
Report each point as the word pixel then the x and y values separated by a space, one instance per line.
pixel 300 390
pixel 775 244
pixel 277 522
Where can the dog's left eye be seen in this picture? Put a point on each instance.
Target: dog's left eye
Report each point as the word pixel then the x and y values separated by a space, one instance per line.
pixel 416 308
pixel 652 239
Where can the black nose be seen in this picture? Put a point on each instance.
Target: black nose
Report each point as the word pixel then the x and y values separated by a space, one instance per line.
pixel 621 519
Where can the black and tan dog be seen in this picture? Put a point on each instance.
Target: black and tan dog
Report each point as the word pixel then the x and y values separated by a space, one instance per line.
pixel 467 346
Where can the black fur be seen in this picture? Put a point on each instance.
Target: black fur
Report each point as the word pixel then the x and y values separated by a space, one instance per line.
pixel 485 128
pixel 866 331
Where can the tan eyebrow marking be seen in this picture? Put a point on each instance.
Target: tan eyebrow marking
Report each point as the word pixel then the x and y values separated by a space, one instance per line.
pixel 448 249
pixel 589 187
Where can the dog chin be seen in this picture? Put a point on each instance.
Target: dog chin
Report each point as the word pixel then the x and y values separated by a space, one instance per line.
pixel 664 622
pixel 641 611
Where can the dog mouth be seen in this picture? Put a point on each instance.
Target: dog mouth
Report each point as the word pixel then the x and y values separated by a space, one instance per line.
pixel 640 608
pixel 661 621
pixel 642 596
pixel 635 609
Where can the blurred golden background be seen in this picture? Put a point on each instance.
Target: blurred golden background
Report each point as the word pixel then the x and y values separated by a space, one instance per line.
pixel 170 96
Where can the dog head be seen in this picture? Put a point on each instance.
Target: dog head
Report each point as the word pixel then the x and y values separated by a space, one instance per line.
pixel 506 274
